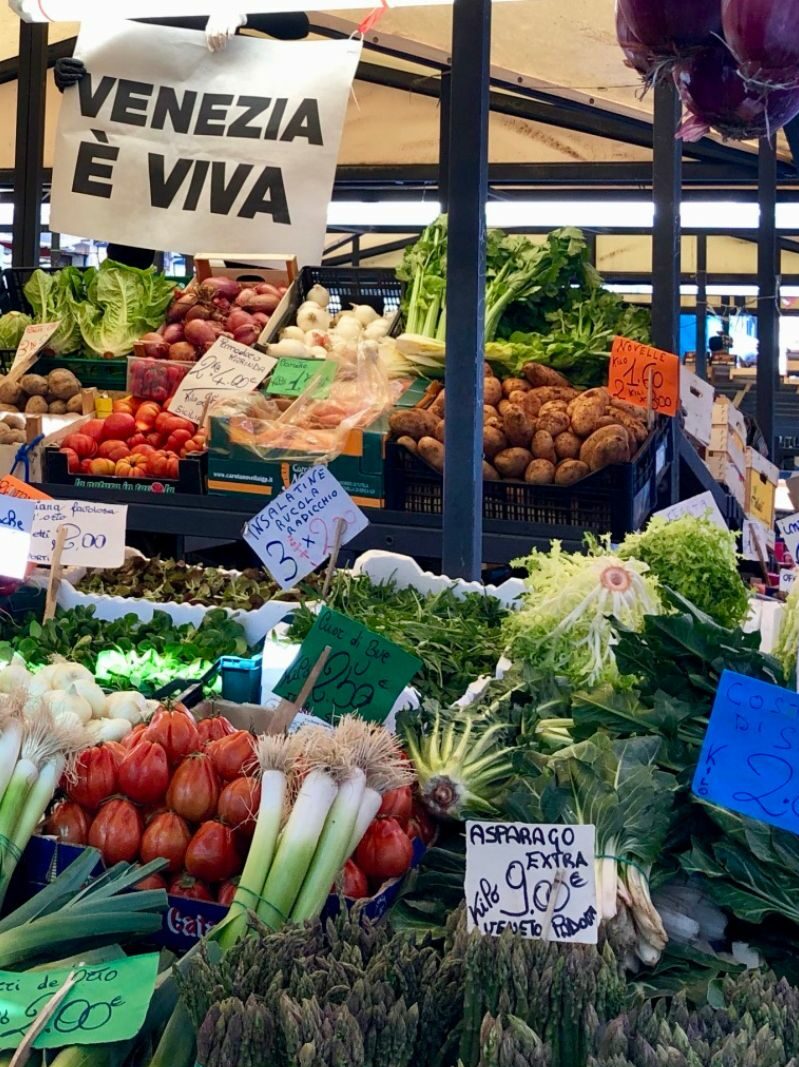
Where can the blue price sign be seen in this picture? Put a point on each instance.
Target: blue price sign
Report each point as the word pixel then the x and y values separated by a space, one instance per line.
pixel 750 756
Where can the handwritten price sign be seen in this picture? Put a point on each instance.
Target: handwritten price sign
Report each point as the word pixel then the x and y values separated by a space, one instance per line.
pixel 364 672
pixel 107 1002
pixel 95 533
pixel 227 367
pixel 535 879
pixel 295 533
pixel 750 756
pixel 33 340
pixel 633 366
pixel 16 523
pixel 291 377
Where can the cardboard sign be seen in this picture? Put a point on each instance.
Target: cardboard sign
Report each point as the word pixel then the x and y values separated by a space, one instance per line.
pixel 364 672
pixel 107 1002
pixel 95 533
pixel 227 367
pixel 233 151
pixel 787 578
pixel 750 756
pixel 702 506
pixel 11 486
pixel 789 530
pixel 696 403
pixel 513 872
pixel 755 540
pixel 295 533
pixel 291 377
pixel 33 340
pixel 632 365
pixel 16 523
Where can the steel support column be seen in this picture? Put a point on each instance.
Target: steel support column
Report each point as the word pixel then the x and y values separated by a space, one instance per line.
pixel 29 145
pixel 768 294
pixel 701 306
pixel 444 120
pixel 468 187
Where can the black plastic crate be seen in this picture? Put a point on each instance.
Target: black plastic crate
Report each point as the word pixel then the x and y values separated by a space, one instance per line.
pixel 615 500
pixel 192 477
pixel 13 287
pixel 375 286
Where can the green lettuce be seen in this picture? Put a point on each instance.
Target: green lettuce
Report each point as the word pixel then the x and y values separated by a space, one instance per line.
pixel 12 327
pixel 123 303
pixel 55 298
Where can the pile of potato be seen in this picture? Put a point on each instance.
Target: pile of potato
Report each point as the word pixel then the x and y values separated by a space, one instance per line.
pixel 57 394
pixel 538 429
pixel 12 430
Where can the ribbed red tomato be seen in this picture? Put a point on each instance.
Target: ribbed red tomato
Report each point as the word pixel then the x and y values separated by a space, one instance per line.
pixel 353 881
pixel 212 855
pixel 238 804
pixel 194 789
pixel 385 851
pixel 116 831
pixel 397 804
pixel 233 755
pixel 152 881
pixel 227 892
pixel 134 736
pixel 166 836
pixel 94 777
pixel 143 774
pixel 176 731
pixel 186 886
pixel 68 822
pixel 214 727
pixel 117 750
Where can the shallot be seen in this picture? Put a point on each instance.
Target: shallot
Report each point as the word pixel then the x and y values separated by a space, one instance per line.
pixel 155 347
pixel 198 332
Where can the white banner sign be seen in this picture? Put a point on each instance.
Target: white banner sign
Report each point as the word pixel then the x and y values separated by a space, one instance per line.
pixel 95 533
pixel 227 367
pixel 166 142
pixel 702 506
pixel 295 533
pixel 535 879
pixel 16 521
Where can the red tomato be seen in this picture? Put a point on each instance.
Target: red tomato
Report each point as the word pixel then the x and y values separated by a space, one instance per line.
pixel 397 804
pixel 80 443
pixel 227 892
pixel 134 736
pixel 85 466
pixel 152 881
pixel 212 854
pixel 145 450
pixel 114 450
pixel 214 727
pixel 67 821
pixel 175 731
pixel 194 444
pixel 116 831
pixel 238 804
pixel 102 466
pixel 421 824
pixel 385 851
pixel 353 881
pixel 160 465
pixel 157 440
pixel 233 755
pixel 136 440
pixel 169 423
pixel 73 460
pixel 117 750
pixel 94 428
pixel 186 886
pixel 94 778
pixel 119 427
pixel 175 441
pixel 166 836
pixel 144 773
pixel 194 789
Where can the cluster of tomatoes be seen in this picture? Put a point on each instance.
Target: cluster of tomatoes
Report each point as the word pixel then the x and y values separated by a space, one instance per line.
pixel 175 788
pixel 386 849
pixel 138 440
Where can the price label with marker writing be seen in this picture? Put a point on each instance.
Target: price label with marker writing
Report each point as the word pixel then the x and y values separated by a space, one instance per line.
pixel 16 523
pixel 95 533
pixel 644 376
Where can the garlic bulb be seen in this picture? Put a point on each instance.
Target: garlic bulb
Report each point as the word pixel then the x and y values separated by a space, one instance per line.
pixel 64 674
pixel 108 729
pixel 15 676
pixel 131 706
pixel 67 701
pixel 93 695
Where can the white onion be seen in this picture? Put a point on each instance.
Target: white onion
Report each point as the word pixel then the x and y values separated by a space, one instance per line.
pixel 349 328
pixel 311 317
pixel 318 295
pixel 292 333
pixel 365 314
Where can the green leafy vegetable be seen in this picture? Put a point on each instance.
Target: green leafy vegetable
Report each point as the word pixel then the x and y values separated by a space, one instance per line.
pixel 698 560
pixel 123 304
pixel 12 327
pixel 56 297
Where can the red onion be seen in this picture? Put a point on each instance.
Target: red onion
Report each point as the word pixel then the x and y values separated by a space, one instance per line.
pixel 155 347
pixel 183 351
pixel 764 37
pixel 173 333
pixel 715 95
pixel 198 332
pixel 247 335
pixel 199 311
pixel 261 318
pixel 636 55
pixel 655 34
pixel 228 288
pixel 238 317
pixel 178 309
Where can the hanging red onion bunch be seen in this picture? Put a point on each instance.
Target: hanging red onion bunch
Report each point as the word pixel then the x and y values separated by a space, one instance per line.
pixel 763 35
pixel 656 34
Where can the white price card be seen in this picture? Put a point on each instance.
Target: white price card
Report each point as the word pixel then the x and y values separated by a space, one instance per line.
pixel 755 540
pixel 95 532
pixel 789 531
pixel 31 343
pixel 696 402
pixel 227 367
pixel 702 506
pixel 295 533
pixel 787 578
pixel 535 879
pixel 16 522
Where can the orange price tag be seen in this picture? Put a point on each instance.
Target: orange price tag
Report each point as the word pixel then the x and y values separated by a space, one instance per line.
pixel 11 486
pixel 632 365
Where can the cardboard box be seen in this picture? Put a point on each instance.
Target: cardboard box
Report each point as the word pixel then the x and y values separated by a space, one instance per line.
pixel 762 479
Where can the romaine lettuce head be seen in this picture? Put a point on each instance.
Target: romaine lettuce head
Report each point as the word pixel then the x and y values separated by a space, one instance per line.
pixel 12 327
pixel 123 304
pixel 55 298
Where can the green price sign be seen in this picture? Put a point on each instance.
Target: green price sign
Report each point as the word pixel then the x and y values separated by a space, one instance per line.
pixel 291 377
pixel 363 673
pixel 107 1002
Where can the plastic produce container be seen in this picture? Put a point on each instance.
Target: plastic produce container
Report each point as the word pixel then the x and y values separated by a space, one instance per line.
pixel 155 379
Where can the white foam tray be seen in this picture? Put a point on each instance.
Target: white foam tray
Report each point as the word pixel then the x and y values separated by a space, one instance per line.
pixel 406 573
